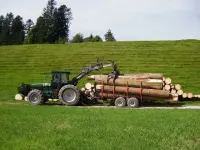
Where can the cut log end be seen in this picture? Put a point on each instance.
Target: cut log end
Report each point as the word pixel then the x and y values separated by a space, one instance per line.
pixel 190 95
pixel 178 87
pixel 180 92
pixel 88 86
pixel 184 95
pixel 168 81
pixel 19 97
pixel 167 87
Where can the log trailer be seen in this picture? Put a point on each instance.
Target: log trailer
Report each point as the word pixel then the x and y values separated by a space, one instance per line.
pixel 121 90
pixel 128 90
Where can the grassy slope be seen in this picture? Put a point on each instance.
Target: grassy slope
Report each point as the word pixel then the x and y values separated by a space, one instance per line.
pixel 179 60
pixel 46 127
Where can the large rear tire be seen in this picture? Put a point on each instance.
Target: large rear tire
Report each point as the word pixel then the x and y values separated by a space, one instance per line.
pixel 69 95
pixel 35 97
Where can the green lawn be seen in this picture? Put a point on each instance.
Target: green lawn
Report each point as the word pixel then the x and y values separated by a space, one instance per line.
pixel 179 60
pixel 55 127
pixel 58 127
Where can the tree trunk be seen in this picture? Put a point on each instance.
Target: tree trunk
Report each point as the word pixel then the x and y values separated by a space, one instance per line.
pixel 131 76
pixel 131 90
pixel 145 83
pixel 108 95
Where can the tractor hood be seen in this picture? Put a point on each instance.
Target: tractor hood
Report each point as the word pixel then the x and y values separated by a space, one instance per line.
pixel 25 88
pixel 40 84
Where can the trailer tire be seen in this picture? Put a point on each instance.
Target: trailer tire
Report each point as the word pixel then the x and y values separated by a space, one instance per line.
pixel 69 95
pixel 35 97
pixel 120 102
pixel 133 102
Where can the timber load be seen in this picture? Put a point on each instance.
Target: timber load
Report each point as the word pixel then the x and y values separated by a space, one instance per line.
pixel 149 85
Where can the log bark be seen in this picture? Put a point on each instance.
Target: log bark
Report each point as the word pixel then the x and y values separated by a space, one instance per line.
pixel 131 76
pixel 131 90
pixel 108 95
pixel 145 83
pixel 175 97
pixel 146 76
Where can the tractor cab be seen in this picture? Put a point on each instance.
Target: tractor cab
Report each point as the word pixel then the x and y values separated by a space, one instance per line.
pixel 59 79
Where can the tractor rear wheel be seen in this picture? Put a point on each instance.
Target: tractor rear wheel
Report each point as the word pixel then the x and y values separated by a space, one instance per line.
pixel 35 97
pixel 69 95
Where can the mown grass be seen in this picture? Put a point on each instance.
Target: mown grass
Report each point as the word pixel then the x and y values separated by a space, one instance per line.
pixel 46 127
pixel 179 60
pixel 57 127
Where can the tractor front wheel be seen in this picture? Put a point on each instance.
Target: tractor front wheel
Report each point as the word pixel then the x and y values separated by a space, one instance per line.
pixel 35 97
pixel 69 95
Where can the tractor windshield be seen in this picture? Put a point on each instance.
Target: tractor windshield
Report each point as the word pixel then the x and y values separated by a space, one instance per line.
pixel 64 78
pixel 60 77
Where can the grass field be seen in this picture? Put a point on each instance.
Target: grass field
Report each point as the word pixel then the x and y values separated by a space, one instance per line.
pixel 55 127
pixel 179 60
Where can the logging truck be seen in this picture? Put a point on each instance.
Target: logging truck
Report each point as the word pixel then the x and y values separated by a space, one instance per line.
pixel 121 89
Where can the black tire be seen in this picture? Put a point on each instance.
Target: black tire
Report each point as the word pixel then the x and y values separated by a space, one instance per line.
pixel 133 102
pixel 69 95
pixel 120 102
pixel 35 97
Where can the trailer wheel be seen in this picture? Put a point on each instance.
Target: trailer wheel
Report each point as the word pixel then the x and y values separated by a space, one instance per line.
pixel 133 102
pixel 120 102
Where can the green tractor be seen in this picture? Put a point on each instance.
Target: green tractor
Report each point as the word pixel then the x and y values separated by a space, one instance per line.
pixel 60 86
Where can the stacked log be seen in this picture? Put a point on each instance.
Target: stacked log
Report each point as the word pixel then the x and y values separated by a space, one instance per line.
pixel 154 86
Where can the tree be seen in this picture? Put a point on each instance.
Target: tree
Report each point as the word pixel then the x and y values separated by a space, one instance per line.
pixel 92 38
pixel 5 36
pixel 97 38
pixel 1 23
pixel 37 35
pixel 78 38
pixel 49 21
pixel 62 17
pixel 89 39
pixel 109 36
pixel 29 25
pixel 17 31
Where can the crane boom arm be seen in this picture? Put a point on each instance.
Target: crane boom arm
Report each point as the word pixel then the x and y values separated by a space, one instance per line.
pixel 91 68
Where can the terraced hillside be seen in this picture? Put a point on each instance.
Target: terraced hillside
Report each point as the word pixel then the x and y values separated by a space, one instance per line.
pixel 179 60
